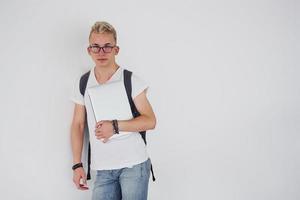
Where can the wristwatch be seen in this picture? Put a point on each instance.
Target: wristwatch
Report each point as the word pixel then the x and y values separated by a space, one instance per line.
pixel 77 166
pixel 115 126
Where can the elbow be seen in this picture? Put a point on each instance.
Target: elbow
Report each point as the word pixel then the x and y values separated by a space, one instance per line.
pixel 152 123
pixel 77 127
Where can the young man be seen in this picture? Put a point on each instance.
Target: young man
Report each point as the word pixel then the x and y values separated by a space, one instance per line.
pixel 122 166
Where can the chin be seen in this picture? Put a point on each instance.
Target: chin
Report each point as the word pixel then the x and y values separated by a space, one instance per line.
pixel 101 64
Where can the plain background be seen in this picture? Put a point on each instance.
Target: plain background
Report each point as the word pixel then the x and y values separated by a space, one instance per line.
pixel 224 79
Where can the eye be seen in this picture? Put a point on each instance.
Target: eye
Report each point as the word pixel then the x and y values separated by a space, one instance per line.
pixel 107 47
pixel 95 48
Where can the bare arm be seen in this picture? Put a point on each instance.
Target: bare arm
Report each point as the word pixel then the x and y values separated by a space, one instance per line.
pixel 77 137
pixel 77 132
pixel 145 121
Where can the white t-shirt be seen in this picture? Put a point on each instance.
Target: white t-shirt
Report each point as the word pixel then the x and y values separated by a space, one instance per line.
pixel 125 151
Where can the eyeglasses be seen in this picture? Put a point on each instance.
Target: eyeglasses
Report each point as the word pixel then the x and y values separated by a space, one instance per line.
pixel 97 48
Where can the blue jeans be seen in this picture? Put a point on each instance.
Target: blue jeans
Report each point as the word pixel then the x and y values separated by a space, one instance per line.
pixel 125 183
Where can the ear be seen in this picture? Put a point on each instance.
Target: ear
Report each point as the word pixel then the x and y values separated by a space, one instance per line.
pixel 88 50
pixel 117 49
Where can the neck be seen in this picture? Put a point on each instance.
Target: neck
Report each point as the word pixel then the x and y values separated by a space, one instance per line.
pixel 103 73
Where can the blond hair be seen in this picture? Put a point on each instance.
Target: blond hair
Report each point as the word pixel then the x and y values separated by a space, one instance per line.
pixel 103 27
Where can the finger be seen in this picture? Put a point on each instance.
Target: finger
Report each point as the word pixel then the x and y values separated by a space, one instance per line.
pixel 97 128
pixel 97 131
pixel 101 122
pixel 99 134
pixel 84 181
pixel 83 187
pixel 98 124
pixel 77 184
pixel 100 137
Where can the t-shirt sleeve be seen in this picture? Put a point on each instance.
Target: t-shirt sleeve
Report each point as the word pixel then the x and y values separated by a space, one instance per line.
pixel 76 96
pixel 138 86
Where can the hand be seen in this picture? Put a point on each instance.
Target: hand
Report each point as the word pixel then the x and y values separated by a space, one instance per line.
pixel 104 130
pixel 78 175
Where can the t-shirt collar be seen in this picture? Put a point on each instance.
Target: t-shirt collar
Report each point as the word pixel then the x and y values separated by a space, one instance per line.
pixel 115 77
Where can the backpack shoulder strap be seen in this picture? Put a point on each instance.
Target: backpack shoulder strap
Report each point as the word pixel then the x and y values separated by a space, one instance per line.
pixel 83 82
pixel 128 87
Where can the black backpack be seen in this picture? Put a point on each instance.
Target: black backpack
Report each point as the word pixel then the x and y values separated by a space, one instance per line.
pixel 135 113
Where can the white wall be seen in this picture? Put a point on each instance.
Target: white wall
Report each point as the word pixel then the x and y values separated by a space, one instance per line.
pixel 224 80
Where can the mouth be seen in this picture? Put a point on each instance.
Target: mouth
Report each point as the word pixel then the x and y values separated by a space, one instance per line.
pixel 102 59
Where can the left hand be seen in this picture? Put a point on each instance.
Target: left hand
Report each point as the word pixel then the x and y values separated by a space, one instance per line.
pixel 104 130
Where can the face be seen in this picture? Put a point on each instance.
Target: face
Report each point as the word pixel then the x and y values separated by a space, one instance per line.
pixel 103 49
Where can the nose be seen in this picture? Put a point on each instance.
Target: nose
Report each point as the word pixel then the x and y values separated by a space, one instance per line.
pixel 101 52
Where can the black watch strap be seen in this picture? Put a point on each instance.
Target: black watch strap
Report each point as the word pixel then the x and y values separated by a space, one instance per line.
pixel 115 126
pixel 77 166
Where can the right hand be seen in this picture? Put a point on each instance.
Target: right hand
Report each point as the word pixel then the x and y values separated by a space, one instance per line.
pixel 79 174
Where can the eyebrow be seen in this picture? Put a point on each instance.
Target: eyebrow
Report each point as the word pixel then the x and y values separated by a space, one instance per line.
pixel 95 44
